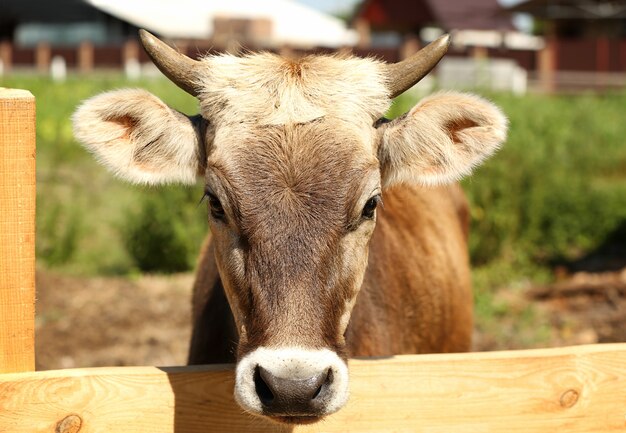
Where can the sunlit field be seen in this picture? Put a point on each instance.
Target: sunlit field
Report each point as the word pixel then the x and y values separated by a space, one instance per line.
pixel 554 193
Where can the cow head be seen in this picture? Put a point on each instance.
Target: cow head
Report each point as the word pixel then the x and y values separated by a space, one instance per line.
pixel 295 161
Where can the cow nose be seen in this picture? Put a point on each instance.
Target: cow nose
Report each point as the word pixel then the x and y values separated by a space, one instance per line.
pixel 284 396
pixel 291 384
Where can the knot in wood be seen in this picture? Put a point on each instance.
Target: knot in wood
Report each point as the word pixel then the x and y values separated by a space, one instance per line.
pixel 569 398
pixel 69 424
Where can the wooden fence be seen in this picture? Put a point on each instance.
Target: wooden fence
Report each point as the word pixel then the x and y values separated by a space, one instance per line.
pixel 574 390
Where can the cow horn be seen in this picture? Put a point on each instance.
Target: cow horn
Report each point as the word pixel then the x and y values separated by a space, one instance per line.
pixel 179 68
pixel 405 74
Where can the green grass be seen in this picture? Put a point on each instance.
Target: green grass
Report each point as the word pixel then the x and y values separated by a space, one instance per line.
pixel 555 191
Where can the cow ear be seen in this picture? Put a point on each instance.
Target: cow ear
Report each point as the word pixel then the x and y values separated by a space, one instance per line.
pixel 440 140
pixel 140 139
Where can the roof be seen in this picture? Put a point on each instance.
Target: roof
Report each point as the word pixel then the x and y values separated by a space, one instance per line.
pixel 46 11
pixel 291 23
pixel 471 15
pixel 411 15
pixel 573 9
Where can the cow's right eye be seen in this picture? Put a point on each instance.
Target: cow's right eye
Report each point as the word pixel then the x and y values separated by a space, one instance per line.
pixel 215 207
pixel 370 207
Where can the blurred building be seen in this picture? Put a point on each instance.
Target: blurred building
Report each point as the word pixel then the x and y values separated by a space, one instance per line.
pixel 578 44
pixel 60 23
pixel 487 50
pixel 83 34
pixel 271 23
pixel 102 22
pixel 412 17
pixel 576 19
pixel 68 33
pixel 585 41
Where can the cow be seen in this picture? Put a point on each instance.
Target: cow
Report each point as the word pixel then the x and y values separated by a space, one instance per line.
pixel 313 198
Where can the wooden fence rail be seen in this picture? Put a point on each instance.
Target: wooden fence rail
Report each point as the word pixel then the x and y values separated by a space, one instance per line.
pixel 574 390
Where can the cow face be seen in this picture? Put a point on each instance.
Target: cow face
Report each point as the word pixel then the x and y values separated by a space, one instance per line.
pixel 294 162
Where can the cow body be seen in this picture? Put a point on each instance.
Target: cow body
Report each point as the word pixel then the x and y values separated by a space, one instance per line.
pixel 415 297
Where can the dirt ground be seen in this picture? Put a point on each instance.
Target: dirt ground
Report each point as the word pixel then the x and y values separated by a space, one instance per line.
pixel 146 321
pixel 92 322
pixel 590 307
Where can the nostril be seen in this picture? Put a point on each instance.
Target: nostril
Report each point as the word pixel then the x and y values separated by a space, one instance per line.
pixel 304 396
pixel 317 392
pixel 262 389
pixel 325 384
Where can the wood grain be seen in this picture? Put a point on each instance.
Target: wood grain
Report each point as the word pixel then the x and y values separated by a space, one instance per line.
pixel 574 390
pixel 17 230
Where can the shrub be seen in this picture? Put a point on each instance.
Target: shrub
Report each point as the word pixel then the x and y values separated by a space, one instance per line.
pixel 59 228
pixel 164 235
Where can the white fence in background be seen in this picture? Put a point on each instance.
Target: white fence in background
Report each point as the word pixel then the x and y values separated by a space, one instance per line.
pixel 58 69
pixel 489 74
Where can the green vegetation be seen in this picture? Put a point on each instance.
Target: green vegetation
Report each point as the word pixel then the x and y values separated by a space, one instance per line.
pixel 555 191
pixel 557 188
pixel 89 222
pixel 163 234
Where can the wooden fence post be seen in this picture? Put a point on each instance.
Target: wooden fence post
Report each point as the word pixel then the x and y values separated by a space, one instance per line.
pixel 6 55
pixel 17 231
pixel 85 57
pixel 410 46
pixel 547 61
pixel 130 51
pixel 362 28
pixel 43 55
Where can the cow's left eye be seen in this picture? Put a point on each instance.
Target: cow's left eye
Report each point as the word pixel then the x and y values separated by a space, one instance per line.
pixel 215 207
pixel 370 207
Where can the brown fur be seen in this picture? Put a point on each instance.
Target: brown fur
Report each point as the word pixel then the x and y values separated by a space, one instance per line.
pixel 416 295
pixel 290 194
